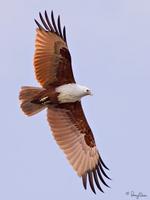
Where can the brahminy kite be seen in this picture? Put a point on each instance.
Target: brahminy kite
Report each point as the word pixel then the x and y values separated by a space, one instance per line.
pixel 61 96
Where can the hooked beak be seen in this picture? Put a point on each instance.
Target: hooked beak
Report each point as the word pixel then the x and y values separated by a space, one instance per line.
pixel 90 93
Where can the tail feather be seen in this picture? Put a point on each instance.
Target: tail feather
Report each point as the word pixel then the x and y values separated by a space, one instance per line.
pixel 26 95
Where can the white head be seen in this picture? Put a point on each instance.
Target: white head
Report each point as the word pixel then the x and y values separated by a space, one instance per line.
pixel 84 90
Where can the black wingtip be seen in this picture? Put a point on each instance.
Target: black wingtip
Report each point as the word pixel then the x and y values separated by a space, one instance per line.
pixel 59 26
pixel 37 23
pixel 102 162
pixel 52 13
pixel 53 22
pixel 51 25
pixel 84 180
pixel 91 181
pixel 48 28
pixel 64 34
pixel 48 22
pixel 103 172
pixel 96 180
pixel 96 176
pixel 100 176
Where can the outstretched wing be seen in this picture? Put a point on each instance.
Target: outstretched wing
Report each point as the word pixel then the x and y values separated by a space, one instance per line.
pixel 52 59
pixel 74 136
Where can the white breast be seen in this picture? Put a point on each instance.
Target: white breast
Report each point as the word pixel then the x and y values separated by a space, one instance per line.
pixel 69 93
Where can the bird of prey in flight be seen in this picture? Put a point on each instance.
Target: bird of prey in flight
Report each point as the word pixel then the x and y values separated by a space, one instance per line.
pixel 61 96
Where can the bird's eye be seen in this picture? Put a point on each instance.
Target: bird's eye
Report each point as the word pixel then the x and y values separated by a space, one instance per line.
pixel 87 90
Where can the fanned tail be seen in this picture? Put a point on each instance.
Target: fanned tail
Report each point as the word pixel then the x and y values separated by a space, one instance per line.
pixel 26 95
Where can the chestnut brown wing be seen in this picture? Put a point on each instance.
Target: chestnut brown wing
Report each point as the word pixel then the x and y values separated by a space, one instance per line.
pixel 52 59
pixel 74 136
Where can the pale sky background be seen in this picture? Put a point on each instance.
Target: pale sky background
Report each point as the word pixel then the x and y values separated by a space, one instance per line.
pixel 110 46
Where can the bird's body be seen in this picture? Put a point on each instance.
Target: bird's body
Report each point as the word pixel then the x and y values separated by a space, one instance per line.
pixel 61 96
